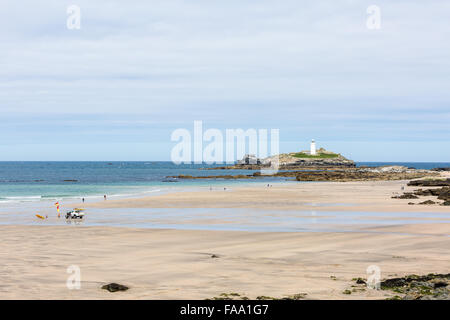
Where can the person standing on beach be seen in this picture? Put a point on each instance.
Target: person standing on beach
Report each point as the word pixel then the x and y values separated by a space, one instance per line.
pixel 82 200
pixel 104 197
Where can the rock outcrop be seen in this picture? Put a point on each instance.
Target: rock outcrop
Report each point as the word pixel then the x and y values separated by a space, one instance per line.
pixel 406 195
pixel 441 169
pixel 350 174
pixel 442 193
pixel 301 160
pixel 427 202
pixel 114 287
pixel 430 183
pixel 358 175
pixel 413 287
pixel 293 161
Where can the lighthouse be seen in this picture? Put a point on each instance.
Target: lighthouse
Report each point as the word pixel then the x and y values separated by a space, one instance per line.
pixel 313 148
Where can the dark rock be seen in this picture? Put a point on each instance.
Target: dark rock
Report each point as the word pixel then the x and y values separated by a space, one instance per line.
pixel 441 193
pixel 441 169
pixel 354 175
pixel 440 284
pixel 413 296
pixel 428 202
pixel 444 194
pixel 422 192
pixel 406 195
pixel 393 283
pixel 324 174
pixel 430 183
pixel 113 287
pixel 214 256
pixel 419 286
pixel 396 282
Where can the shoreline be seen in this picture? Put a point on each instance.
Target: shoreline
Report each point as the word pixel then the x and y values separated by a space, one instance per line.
pixel 51 190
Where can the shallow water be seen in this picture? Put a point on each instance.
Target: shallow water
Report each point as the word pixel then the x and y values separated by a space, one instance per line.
pixel 234 219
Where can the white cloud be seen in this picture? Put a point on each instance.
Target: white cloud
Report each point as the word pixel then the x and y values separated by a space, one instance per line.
pixel 289 62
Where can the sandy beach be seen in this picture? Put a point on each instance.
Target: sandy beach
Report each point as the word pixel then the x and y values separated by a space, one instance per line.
pixel 179 264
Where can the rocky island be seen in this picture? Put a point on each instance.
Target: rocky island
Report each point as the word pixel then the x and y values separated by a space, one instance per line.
pixel 313 165
pixel 321 158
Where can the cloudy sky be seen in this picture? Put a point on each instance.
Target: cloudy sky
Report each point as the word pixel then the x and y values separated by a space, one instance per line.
pixel 137 70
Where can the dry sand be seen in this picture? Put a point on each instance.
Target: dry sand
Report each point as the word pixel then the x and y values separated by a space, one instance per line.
pixel 177 264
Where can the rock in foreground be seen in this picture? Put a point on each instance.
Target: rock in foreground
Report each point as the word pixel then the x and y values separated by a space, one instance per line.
pixel 413 287
pixel 114 287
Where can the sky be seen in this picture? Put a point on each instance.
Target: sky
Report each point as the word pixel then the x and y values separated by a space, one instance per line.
pixel 135 71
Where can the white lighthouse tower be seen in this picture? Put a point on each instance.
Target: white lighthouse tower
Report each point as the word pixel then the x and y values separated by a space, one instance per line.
pixel 313 148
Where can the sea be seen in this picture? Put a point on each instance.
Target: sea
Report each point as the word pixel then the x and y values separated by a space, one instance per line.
pixel 55 181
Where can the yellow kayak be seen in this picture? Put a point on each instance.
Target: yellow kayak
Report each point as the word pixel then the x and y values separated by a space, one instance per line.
pixel 40 217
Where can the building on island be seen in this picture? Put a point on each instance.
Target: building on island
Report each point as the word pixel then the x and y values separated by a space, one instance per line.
pixel 249 159
pixel 313 151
